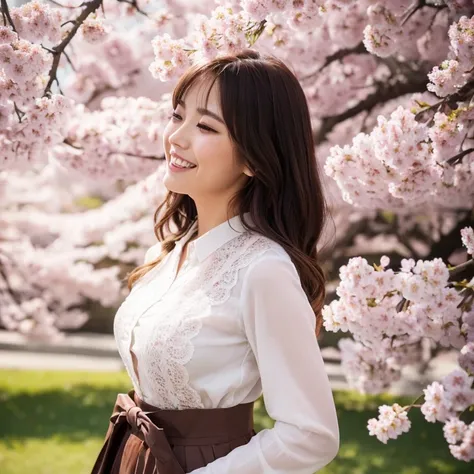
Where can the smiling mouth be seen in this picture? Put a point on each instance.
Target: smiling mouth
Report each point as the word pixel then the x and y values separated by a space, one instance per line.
pixel 180 163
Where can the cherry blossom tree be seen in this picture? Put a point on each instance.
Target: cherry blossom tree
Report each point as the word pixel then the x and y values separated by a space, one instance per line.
pixel 85 94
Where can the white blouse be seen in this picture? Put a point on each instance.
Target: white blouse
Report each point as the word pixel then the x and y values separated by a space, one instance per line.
pixel 235 322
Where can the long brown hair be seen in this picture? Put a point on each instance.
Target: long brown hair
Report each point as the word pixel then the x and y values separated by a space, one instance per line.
pixel 267 116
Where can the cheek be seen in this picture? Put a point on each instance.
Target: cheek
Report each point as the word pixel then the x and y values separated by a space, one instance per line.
pixel 214 153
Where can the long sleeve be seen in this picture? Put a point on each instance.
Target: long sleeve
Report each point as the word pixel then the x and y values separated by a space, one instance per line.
pixel 280 326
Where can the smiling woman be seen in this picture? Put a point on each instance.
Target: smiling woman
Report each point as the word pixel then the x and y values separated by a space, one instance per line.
pixel 197 138
pixel 228 302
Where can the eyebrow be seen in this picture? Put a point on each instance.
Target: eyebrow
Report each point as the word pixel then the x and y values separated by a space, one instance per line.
pixel 203 112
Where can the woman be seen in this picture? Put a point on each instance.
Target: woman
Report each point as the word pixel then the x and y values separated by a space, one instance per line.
pixel 228 302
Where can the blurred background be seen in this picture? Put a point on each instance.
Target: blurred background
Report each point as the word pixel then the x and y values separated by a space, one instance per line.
pixel 78 191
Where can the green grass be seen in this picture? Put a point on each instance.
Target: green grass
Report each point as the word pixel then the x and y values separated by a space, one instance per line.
pixel 55 422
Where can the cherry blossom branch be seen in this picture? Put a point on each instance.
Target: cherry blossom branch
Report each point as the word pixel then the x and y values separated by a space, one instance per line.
pixel 449 242
pixel 460 268
pixel 145 157
pixel 383 94
pixel 414 404
pixel 66 6
pixel 66 55
pixel 109 88
pixel 454 271
pixel 9 289
pixel 458 158
pixel 20 114
pixel 69 143
pixel 91 7
pixel 406 242
pixel 6 15
pixel 132 155
pixel 134 4
pixel 421 4
pixel 337 56
pixel 450 100
pixel 253 36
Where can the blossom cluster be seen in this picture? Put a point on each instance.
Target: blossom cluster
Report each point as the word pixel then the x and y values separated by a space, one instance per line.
pixel 21 63
pixel 34 124
pixel 453 395
pixel 225 32
pixel 467 235
pixel 36 21
pixel 389 314
pixel 454 73
pixel 94 30
pixel 120 140
pixel 388 33
pixel 403 161
pixel 26 143
pixel 391 423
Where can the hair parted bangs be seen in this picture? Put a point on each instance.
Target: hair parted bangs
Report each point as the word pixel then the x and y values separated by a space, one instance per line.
pixel 267 117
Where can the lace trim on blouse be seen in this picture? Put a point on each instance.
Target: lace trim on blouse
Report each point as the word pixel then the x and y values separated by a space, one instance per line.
pixel 221 274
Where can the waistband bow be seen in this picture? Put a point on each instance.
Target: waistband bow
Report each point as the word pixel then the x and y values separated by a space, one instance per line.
pixel 127 413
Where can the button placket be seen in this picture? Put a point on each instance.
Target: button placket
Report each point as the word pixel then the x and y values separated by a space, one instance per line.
pixel 146 304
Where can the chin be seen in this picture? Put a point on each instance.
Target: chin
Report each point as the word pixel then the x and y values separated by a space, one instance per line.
pixel 172 186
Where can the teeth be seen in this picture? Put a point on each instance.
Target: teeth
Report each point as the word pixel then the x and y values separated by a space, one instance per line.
pixel 181 163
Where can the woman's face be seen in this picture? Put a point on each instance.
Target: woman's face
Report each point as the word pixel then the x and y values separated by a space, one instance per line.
pixel 198 135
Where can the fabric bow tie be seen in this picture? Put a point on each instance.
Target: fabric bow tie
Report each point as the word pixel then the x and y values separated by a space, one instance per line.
pixel 126 412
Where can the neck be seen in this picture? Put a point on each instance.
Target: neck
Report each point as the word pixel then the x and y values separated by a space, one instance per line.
pixel 211 216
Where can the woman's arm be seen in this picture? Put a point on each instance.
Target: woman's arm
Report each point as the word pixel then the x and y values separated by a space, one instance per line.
pixel 280 327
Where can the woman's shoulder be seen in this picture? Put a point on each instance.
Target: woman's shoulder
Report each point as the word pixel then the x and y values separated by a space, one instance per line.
pixel 231 262
pixel 153 252
pixel 252 247
pixel 270 248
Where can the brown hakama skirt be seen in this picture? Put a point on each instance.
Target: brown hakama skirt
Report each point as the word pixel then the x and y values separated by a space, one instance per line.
pixel 143 439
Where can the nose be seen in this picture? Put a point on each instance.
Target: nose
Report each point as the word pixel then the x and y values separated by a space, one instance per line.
pixel 180 137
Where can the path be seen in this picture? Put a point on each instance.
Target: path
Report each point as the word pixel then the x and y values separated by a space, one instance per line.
pixel 97 352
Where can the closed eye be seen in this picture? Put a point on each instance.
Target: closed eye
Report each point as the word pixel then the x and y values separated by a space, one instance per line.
pixel 176 118
pixel 205 127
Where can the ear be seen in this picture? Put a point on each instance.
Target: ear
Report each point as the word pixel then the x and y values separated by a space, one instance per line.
pixel 248 172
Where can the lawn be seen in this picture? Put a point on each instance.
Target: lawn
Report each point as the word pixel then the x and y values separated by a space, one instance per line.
pixel 54 423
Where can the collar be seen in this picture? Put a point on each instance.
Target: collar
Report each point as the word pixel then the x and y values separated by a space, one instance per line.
pixel 216 237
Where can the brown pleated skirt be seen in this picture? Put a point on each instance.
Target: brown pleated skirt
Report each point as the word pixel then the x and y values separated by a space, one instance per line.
pixel 143 439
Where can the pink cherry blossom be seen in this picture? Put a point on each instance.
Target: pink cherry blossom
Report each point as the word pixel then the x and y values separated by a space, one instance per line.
pixel 391 423
pixel 454 430
pixel 467 235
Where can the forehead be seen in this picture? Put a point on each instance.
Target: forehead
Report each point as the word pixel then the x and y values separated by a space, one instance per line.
pixel 202 92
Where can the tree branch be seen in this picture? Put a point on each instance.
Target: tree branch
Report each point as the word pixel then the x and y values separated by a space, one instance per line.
pixel 66 6
pixel 337 56
pixel 420 5
pixel 383 94
pixel 458 158
pixel 90 7
pixel 134 4
pixel 460 268
pixel 109 88
pixel 450 100
pixel 448 243
pixel 145 157
pixel 6 15
pixel 9 289
pixel 20 114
